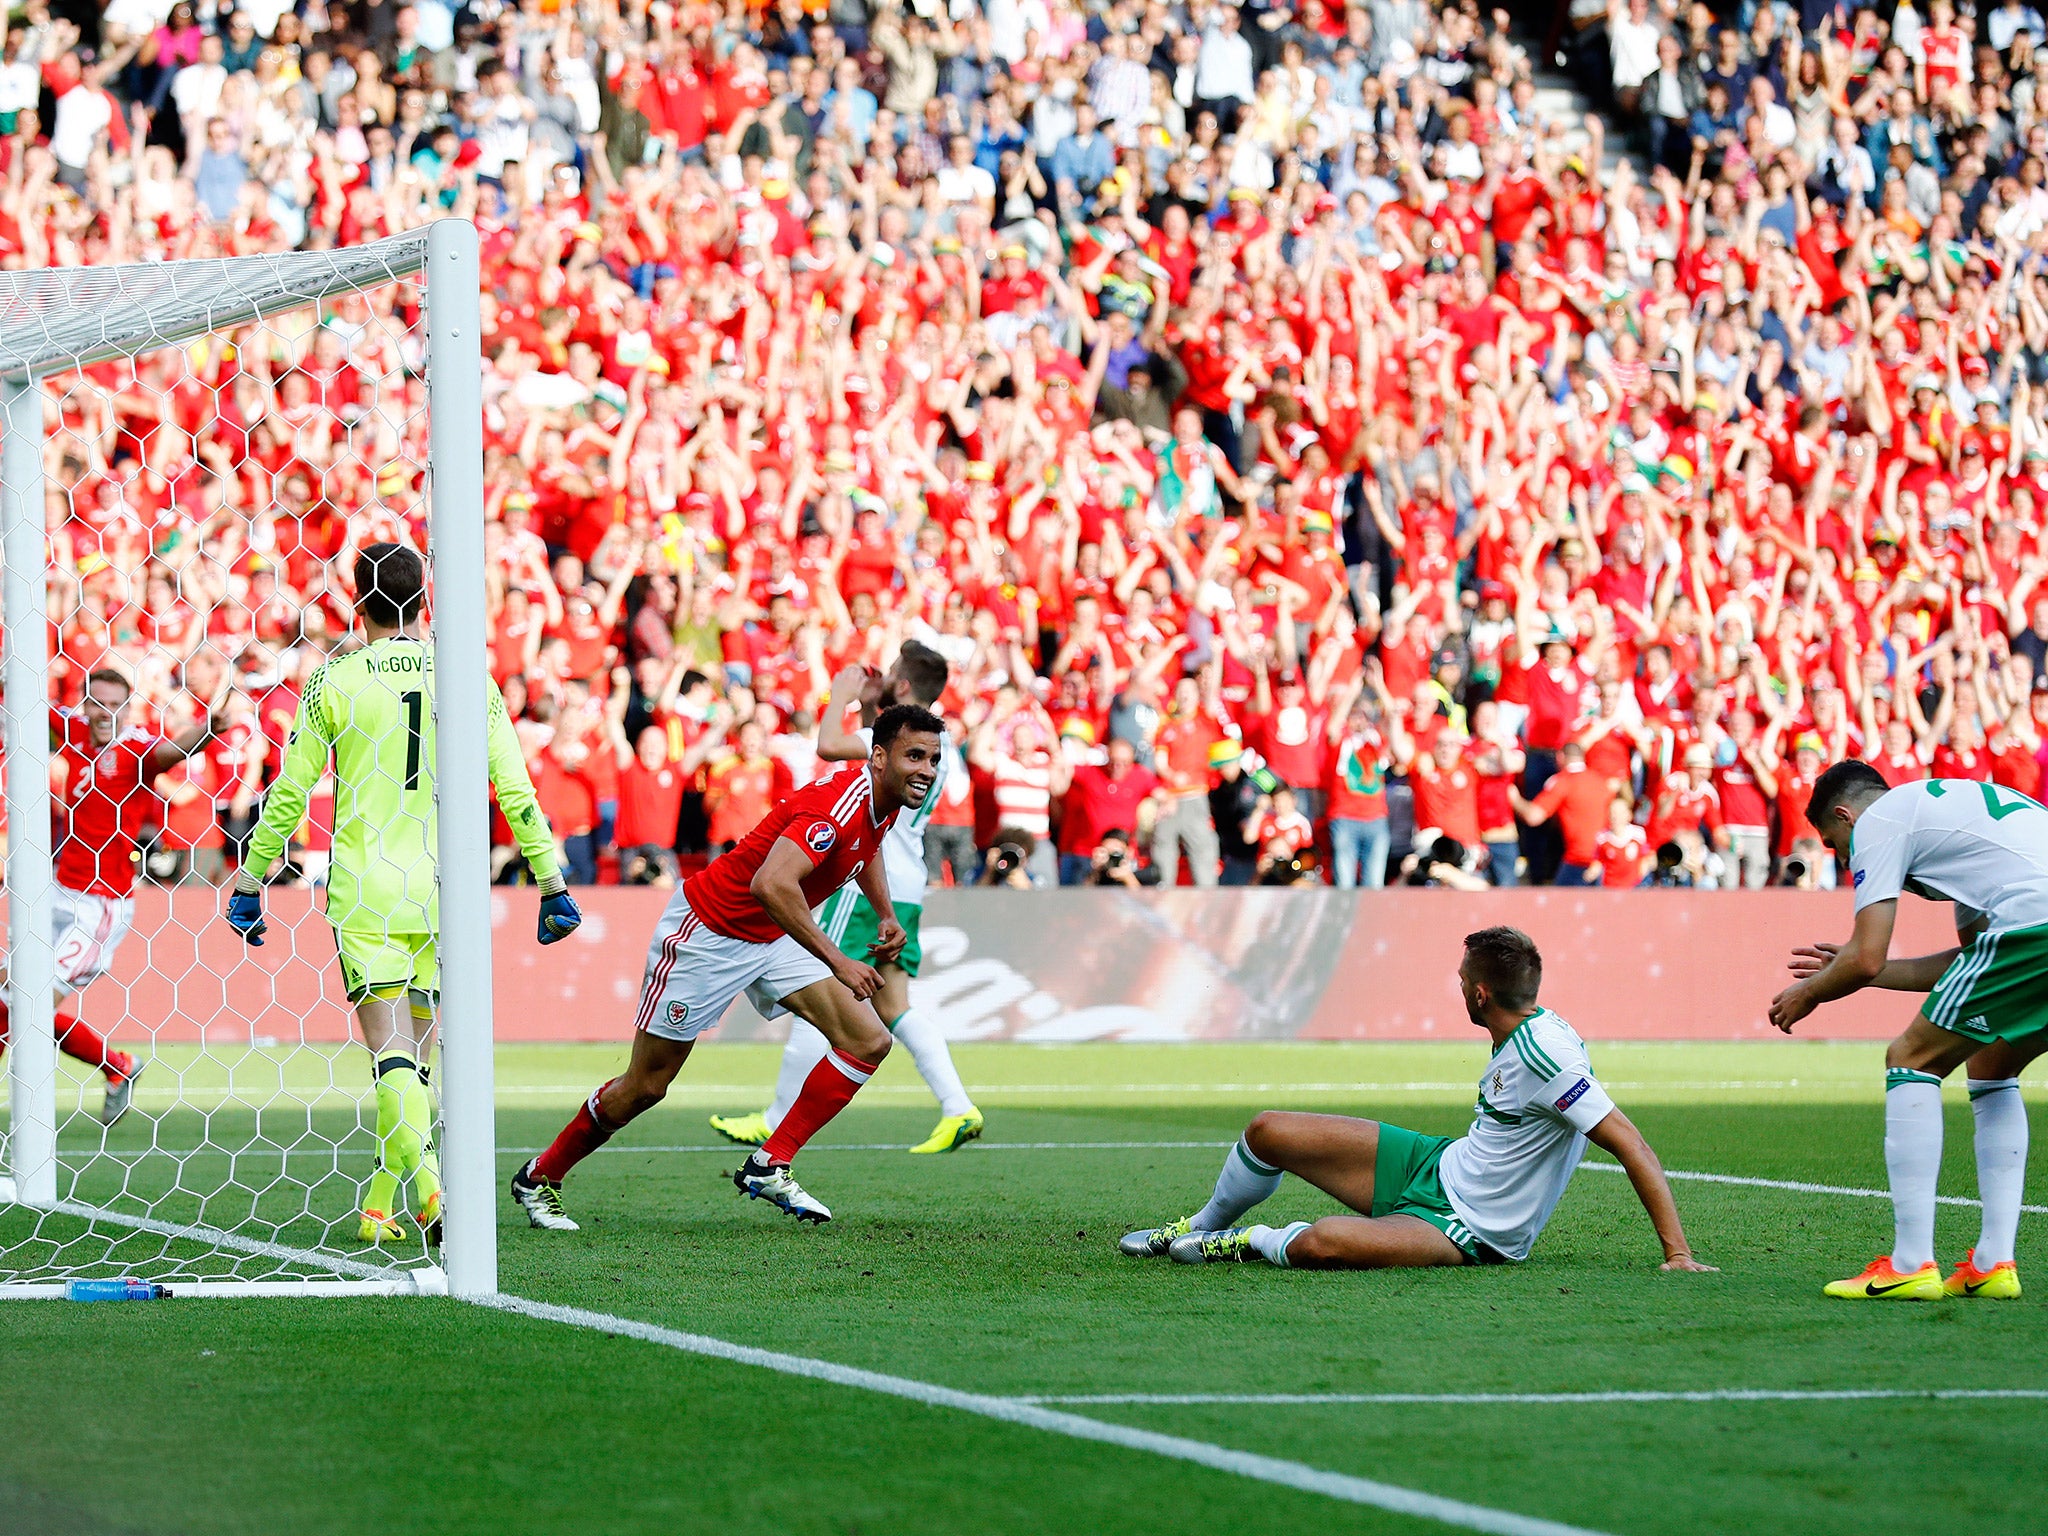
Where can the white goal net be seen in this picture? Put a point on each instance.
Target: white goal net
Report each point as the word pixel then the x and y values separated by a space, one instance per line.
pixel 192 457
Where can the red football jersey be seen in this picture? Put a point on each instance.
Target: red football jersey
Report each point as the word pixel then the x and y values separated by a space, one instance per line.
pixel 105 795
pixel 832 819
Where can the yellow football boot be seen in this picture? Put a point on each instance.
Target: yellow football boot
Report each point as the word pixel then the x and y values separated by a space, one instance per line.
pixel 379 1227
pixel 748 1130
pixel 2001 1282
pixel 952 1133
pixel 1880 1282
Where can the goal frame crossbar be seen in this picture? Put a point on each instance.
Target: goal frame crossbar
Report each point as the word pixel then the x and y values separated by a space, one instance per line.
pixel 52 321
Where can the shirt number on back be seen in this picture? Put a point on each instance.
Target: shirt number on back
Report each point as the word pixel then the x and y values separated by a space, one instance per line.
pixel 412 739
pixel 1996 808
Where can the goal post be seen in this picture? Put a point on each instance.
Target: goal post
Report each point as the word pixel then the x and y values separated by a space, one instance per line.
pixel 239 1170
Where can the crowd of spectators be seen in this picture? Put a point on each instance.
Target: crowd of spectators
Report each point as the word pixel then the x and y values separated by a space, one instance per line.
pixel 1313 462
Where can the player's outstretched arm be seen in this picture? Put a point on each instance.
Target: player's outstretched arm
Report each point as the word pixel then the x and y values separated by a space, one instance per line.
pixel 777 886
pixel 516 799
pixel 1856 965
pixel 306 751
pixel 1617 1135
pixel 1917 974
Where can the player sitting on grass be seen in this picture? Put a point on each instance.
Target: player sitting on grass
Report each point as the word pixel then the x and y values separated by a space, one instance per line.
pixel 918 677
pixel 1427 1200
pixel 1985 849
pixel 371 710
pixel 744 924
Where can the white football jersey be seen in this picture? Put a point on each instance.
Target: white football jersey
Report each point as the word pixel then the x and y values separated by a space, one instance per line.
pixel 903 844
pixel 1537 1099
pixel 1982 847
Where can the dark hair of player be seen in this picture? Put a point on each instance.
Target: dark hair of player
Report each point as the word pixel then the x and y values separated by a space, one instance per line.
pixel 1850 779
pixel 924 669
pixel 109 675
pixel 391 583
pixel 898 718
pixel 1505 962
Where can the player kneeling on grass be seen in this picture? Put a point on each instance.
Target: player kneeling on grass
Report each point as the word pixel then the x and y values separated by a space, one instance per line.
pixel 371 711
pixel 1428 1200
pixel 744 924
pixel 1985 849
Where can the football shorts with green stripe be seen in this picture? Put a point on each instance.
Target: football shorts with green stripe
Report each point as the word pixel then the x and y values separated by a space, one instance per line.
pixel 850 923
pixel 1996 989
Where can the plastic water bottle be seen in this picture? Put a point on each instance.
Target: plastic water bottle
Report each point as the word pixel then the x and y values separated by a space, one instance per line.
pixel 112 1290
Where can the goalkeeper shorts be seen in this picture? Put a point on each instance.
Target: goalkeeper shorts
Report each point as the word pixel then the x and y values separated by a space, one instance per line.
pixel 693 974
pixel 376 961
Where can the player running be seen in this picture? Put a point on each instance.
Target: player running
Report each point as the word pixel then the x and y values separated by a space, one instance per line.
pixel 1428 1200
pixel 105 767
pixel 744 924
pixel 1985 849
pixel 918 677
pixel 371 712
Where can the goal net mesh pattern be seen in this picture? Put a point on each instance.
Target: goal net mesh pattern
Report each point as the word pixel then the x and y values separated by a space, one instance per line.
pixel 220 438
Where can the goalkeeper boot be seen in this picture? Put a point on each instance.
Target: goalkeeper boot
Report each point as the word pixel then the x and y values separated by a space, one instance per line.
pixel 952 1133
pixel 379 1227
pixel 1232 1246
pixel 1153 1242
pixel 1880 1282
pixel 122 1071
pixel 541 1199
pixel 759 1179
pixel 747 1130
pixel 2001 1282
pixel 429 1218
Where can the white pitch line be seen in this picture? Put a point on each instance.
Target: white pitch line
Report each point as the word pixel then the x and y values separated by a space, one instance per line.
pixel 1266 1469
pixel 1469 1399
pixel 1798 1187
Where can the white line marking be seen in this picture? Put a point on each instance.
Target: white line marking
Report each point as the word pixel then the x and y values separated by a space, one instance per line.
pixel 1449 1399
pixel 332 1264
pixel 1799 1188
pixel 1268 1469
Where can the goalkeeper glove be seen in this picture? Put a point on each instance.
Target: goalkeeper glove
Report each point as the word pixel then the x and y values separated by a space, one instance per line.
pixel 559 915
pixel 245 916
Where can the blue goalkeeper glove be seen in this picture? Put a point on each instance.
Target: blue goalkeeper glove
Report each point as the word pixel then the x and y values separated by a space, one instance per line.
pixel 245 916
pixel 559 917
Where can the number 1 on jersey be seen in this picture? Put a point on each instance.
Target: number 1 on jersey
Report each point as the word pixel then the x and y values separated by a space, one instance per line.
pixel 412 739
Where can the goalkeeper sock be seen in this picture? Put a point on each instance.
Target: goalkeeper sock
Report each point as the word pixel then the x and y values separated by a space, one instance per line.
pixel 398 1141
pixel 1912 1157
pixel 805 1050
pixel 583 1135
pixel 1242 1184
pixel 927 1042
pixel 1271 1242
pixel 2001 1118
pixel 420 1111
pixel 829 1089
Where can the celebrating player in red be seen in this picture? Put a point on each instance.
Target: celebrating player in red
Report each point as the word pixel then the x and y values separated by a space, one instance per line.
pixel 105 768
pixel 744 925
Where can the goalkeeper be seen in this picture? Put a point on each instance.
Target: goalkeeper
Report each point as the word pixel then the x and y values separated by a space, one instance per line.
pixel 370 711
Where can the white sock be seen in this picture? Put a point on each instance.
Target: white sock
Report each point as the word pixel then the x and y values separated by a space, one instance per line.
pixel 805 1050
pixel 1272 1241
pixel 1912 1155
pixel 927 1042
pixel 1242 1184
pixel 2001 1164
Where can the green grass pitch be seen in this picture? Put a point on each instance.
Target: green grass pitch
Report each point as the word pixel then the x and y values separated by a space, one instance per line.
pixel 994 1271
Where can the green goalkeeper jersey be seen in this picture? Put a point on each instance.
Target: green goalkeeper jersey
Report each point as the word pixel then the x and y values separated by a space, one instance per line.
pixel 371 711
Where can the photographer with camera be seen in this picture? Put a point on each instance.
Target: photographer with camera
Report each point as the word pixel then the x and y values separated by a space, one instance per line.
pixel 1114 862
pixel 1009 860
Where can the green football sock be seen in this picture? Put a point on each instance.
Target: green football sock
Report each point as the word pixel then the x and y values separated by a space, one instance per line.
pixel 398 1138
pixel 420 1114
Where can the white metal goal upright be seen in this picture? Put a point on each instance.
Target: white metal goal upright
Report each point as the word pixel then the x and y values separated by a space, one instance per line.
pixel 239 1171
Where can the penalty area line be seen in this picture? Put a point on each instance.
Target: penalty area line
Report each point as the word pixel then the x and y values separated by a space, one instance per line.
pixel 1032 1415
pixel 1799 1187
